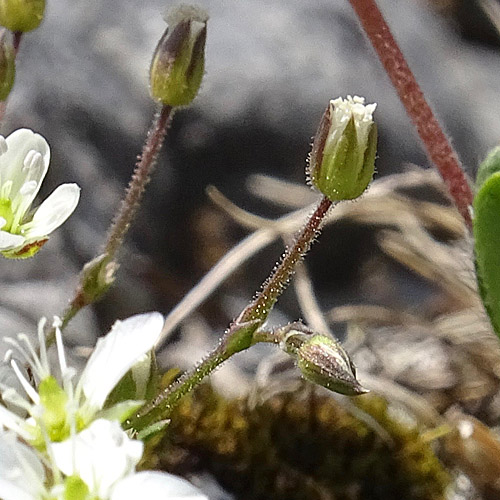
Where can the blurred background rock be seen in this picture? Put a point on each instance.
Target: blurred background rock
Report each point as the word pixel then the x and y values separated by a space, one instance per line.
pixel 271 68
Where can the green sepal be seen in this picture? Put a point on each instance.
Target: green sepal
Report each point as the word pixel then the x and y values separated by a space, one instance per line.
pixel 488 167
pixel 120 411
pixel 140 382
pixel 344 170
pixel 178 63
pixel 365 176
pixel 7 66
pixel 152 430
pixel 26 251
pixel 324 361
pixel 96 277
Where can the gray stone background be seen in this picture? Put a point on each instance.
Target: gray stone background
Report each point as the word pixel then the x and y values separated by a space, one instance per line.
pixel 271 68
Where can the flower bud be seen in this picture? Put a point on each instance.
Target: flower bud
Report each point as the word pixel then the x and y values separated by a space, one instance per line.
pixel 179 59
pixel 21 15
pixel 342 159
pixel 7 64
pixel 324 362
pixel 96 278
pixel 321 359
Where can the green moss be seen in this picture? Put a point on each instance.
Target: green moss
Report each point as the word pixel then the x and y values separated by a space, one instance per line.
pixel 297 446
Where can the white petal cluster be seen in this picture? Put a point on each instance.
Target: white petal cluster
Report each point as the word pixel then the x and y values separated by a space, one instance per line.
pixel 24 161
pixel 342 110
pixel 102 459
pixel 113 357
pixel 72 448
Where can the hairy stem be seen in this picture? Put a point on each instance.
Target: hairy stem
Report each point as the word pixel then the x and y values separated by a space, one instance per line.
pixel 17 36
pixel 124 218
pixel 437 145
pixel 274 286
pixel 242 333
pixel 140 179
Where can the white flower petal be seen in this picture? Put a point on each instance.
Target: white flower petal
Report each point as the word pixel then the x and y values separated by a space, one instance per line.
pixel 11 241
pixel 100 455
pixel 10 491
pixel 19 144
pixel 116 353
pixel 14 422
pixel 21 471
pixel 53 211
pixel 155 486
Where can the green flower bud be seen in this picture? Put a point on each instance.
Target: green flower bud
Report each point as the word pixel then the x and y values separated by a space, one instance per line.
pixel 179 60
pixel 7 64
pixel 96 277
pixel 321 359
pixel 342 159
pixel 21 15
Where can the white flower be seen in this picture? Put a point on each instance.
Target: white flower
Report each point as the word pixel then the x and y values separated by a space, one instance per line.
pixel 104 457
pixel 97 463
pixel 55 406
pixel 100 455
pixel 24 161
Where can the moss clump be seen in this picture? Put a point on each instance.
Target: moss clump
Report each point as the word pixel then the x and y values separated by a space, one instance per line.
pixel 300 446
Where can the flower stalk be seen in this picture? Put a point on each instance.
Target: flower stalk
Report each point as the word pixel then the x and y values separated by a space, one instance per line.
pixel 243 332
pixel 341 166
pixel 175 77
pixel 275 285
pixel 437 145
pixel 98 274
pixel 140 178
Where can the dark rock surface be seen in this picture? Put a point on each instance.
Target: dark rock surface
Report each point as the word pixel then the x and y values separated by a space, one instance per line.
pixel 271 66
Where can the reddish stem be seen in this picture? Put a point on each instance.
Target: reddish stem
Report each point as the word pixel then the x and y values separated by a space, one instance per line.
pixel 17 36
pixel 16 41
pixel 435 141
pixel 140 179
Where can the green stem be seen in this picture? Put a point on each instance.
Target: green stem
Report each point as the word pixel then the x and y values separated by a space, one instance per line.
pixel 242 333
pixel 161 407
pixel 125 216
pixel 275 285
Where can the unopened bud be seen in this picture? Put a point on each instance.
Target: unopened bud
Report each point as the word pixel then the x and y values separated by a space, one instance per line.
pixel 7 64
pixel 321 359
pixel 21 15
pixel 342 159
pixel 324 362
pixel 96 278
pixel 179 60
